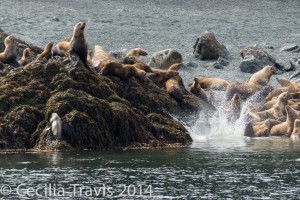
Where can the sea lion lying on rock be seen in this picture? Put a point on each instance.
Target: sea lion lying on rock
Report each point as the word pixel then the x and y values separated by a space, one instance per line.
pixel 135 55
pixel 159 77
pixel 213 83
pixel 100 55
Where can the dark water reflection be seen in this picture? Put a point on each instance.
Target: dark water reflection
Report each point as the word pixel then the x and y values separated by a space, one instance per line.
pixel 259 168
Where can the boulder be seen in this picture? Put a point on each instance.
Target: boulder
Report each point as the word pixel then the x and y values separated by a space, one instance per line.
pixel 255 58
pixel 165 58
pixel 207 47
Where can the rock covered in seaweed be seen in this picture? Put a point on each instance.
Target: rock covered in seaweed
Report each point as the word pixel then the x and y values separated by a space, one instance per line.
pixel 97 112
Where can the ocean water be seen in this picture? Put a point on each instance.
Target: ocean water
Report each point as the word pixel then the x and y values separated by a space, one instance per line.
pixel 221 163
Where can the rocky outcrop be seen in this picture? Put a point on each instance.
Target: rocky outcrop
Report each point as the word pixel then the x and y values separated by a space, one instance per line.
pixel 255 58
pixel 207 47
pixel 165 58
pixel 97 112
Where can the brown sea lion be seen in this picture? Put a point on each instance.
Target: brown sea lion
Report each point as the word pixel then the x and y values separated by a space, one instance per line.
pixel 213 83
pixel 174 86
pixel 135 53
pixel 124 72
pixel 257 81
pixel 143 66
pixel 161 76
pixel 46 53
pixel 285 128
pixel 76 49
pixel 100 55
pixel 26 57
pixel 197 90
pixel 175 66
pixel 286 83
pixel 9 55
pixel 276 111
pixel 276 92
pixel 90 57
pixel 296 130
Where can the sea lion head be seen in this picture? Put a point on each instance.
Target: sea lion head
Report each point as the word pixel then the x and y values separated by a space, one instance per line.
pixel 175 66
pixel 9 40
pixel 172 73
pixel 27 53
pixel 79 28
pixel 285 96
pixel 137 52
pixel 270 70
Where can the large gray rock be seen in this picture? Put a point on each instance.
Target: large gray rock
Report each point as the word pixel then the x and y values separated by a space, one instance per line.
pixel 207 47
pixel 165 58
pixel 255 58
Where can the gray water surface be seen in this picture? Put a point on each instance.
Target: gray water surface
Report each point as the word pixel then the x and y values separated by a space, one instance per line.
pixel 258 169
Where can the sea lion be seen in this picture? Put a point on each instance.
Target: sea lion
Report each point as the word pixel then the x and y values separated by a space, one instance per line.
pixel 276 111
pixel 197 90
pixel 279 91
pixel 55 122
pixel 173 87
pixel 76 49
pixel 296 130
pixel 143 66
pixel 46 54
pixel 161 76
pixel 257 81
pixel 100 55
pixel 135 53
pixel 9 55
pixel 26 57
pixel 262 77
pixel 213 83
pixel 234 108
pixel 286 83
pixel 175 66
pixel 262 129
pixel 111 68
pixel 285 128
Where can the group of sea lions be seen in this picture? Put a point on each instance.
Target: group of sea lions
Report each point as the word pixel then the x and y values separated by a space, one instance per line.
pixel 279 116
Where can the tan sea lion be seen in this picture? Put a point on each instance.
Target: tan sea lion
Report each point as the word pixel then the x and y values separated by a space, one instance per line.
pixel 90 57
pixel 285 128
pixel 135 53
pixel 175 66
pixel 161 76
pixel 100 55
pixel 55 122
pixel 174 86
pixel 110 68
pixel 197 90
pixel 9 55
pixel 143 66
pixel 286 83
pixel 262 77
pixel 26 57
pixel 296 130
pixel 276 92
pixel 46 53
pixel 213 83
pixel 77 48
pixel 276 111
pixel 257 81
